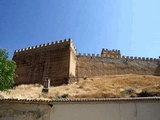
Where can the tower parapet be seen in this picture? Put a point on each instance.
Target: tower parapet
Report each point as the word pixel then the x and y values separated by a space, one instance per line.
pixel 48 46
pixel 113 54
pixel 57 60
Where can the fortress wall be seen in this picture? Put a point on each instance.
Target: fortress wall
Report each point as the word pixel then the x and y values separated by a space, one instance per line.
pixel 130 58
pixel 114 54
pixel 157 71
pixel 72 68
pixel 88 55
pixel 72 63
pixel 140 58
pixel 60 63
pixel 52 60
pixel 96 65
pixel 43 47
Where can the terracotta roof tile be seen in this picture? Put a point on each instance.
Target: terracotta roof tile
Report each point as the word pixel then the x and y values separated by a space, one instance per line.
pixel 80 100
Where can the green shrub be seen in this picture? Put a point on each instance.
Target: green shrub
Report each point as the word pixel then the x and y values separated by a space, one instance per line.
pixel 7 71
pixel 57 96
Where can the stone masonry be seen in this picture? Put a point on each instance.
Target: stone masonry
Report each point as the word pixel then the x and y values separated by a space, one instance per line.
pixel 115 54
pixel 54 60
pixel 58 61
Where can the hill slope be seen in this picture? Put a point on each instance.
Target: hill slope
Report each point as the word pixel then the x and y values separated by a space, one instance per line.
pixel 96 87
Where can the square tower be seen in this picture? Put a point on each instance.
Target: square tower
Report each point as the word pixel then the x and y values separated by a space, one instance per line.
pixel 54 60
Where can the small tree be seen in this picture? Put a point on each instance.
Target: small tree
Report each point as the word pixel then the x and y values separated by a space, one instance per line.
pixel 7 70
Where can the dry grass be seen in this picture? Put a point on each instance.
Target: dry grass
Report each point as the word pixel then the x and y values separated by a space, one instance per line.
pixel 98 87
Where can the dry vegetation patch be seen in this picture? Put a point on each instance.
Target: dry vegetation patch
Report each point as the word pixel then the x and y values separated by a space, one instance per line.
pixel 113 86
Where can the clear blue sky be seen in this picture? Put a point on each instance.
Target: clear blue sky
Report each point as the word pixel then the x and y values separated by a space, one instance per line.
pixel 133 26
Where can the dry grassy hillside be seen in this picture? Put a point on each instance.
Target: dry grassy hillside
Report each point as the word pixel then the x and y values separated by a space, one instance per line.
pixel 97 87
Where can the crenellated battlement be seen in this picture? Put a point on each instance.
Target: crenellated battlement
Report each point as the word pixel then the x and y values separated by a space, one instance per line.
pixel 131 58
pixel 58 60
pixel 111 51
pixel 113 54
pixel 127 58
pixel 54 45
pixel 88 55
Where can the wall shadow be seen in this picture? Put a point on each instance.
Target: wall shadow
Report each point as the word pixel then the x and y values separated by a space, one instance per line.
pixel 157 71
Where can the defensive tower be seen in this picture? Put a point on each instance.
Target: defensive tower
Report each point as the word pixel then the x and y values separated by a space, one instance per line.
pixel 113 54
pixel 54 60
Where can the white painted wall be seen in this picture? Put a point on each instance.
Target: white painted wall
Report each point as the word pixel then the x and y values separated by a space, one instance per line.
pixel 109 110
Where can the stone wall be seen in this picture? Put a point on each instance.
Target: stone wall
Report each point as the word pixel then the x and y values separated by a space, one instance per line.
pixel 82 109
pixel 52 60
pixel 59 62
pixel 22 111
pixel 97 65
pixel 114 54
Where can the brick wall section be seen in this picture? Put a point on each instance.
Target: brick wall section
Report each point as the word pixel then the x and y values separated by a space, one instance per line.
pixel 52 60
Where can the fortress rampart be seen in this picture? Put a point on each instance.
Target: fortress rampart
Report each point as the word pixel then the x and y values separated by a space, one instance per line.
pixel 55 60
pixel 130 58
pixel 90 66
pixel 48 46
pixel 116 54
pixel 62 65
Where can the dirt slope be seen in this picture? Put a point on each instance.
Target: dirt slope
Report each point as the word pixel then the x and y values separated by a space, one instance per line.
pixel 96 87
